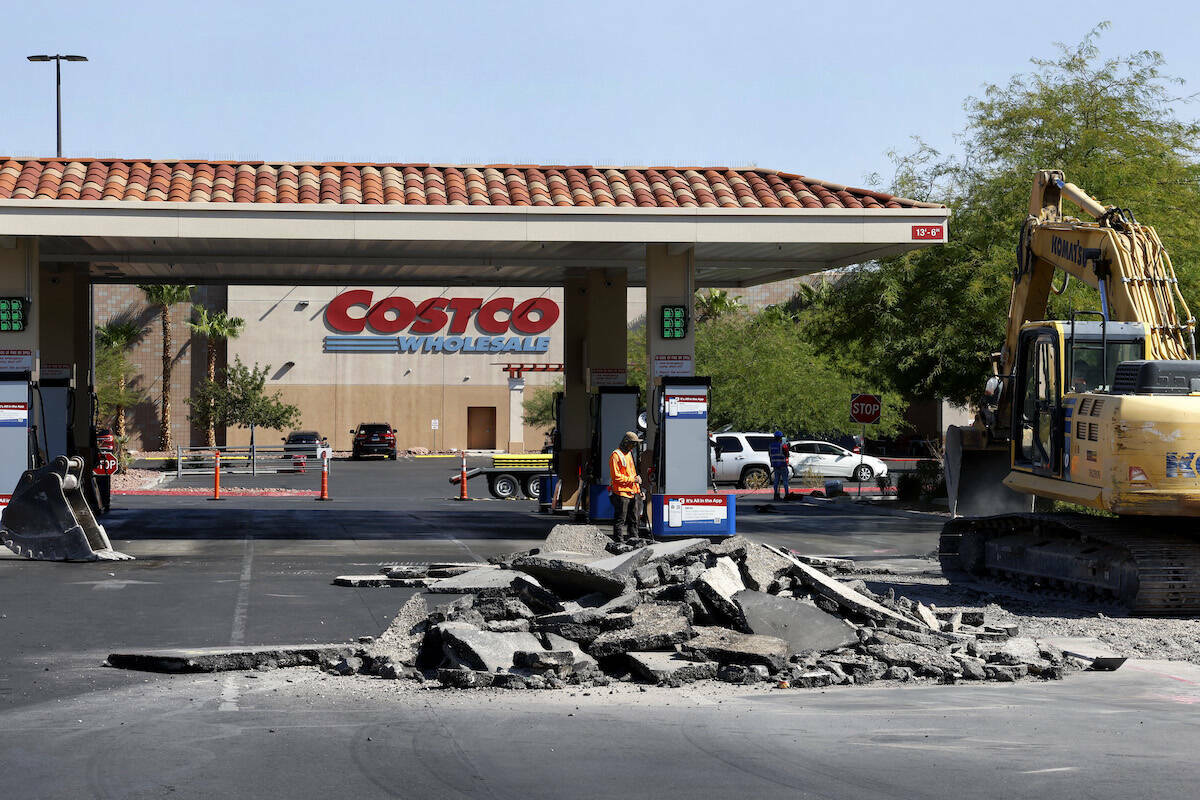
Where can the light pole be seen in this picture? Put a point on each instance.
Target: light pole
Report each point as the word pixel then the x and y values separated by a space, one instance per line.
pixel 57 59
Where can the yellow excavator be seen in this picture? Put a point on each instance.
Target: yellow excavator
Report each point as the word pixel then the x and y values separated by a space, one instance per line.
pixel 1101 410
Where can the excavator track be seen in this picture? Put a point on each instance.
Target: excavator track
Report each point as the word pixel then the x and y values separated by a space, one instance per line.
pixel 1134 563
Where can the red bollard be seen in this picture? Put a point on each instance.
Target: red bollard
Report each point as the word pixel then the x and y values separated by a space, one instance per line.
pixel 216 475
pixel 462 479
pixel 324 477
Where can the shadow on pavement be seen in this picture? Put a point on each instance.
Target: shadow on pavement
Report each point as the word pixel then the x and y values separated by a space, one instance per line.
pixel 232 522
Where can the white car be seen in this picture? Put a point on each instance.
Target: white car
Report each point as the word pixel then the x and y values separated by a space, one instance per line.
pixel 833 461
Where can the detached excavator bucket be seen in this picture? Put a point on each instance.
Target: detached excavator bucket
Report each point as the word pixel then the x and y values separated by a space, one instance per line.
pixel 974 477
pixel 48 518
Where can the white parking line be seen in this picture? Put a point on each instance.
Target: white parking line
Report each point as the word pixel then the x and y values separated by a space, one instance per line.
pixel 230 692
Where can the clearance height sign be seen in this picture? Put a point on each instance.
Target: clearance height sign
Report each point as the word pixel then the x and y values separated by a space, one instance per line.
pixel 397 324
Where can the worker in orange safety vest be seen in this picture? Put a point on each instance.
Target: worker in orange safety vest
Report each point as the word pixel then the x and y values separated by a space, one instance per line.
pixel 625 488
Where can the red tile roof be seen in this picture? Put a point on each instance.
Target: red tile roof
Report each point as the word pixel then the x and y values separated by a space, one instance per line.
pixel 428 184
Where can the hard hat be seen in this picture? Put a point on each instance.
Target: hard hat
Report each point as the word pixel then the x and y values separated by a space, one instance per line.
pixel 778 434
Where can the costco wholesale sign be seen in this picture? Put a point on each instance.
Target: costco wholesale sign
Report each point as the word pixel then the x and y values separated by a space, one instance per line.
pixel 396 324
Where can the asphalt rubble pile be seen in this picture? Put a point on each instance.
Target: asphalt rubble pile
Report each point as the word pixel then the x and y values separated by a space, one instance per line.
pixel 583 610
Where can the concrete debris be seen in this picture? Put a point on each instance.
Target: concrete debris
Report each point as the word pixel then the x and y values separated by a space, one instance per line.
pixel 484 650
pixel 926 616
pixel 732 647
pixel 670 668
pixel 570 578
pixel 586 539
pixel 542 660
pixel 811 679
pixel 927 662
pixel 584 612
pixel 465 678
pixel 384 581
pixel 508 625
pixel 404 637
pixel 348 665
pixel 672 552
pixel 718 585
pixel 226 659
pixel 760 567
pixel 827 564
pixel 835 591
pixel 478 580
pixel 798 622
pixel 654 626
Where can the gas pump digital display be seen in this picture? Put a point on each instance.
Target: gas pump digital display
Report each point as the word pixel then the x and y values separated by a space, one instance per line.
pixel 14 313
pixel 674 322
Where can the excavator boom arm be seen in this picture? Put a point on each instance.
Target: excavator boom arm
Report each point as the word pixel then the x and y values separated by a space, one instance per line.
pixel 1122 259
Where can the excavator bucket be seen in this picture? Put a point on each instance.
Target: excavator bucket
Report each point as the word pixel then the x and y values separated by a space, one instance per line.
pixel 974 477
pixel 48 518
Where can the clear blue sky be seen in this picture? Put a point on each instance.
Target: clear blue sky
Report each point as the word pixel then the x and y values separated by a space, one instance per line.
pixel 820 89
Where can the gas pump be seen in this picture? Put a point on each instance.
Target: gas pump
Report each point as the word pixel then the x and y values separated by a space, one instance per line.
pixel 15 430
pixel 680 502
pixel 614 411
pixel 55 393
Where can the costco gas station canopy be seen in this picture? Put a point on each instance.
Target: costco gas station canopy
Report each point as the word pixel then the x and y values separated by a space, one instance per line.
pixel 421 224
pixel 592 230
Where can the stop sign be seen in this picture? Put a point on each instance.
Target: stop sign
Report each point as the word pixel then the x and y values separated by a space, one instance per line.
pixel 865 408
pixel 106 464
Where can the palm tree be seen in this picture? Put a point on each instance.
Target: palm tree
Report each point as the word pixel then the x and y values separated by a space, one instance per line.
pixel 163 296
pixel 215 326
pixel 120 333
pixel 716 304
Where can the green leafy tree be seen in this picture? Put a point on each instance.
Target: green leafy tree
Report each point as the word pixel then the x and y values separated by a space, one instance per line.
pixel 538 405
pixel 114 372
pixel 162 296
pixel 927 322
pixel 238 397
pixel 215 327
pixel 767 375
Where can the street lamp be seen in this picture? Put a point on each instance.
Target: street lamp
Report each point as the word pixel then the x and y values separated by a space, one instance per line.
pixel 58 59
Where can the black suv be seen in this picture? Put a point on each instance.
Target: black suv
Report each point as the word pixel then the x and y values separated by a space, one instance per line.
pixel 374 438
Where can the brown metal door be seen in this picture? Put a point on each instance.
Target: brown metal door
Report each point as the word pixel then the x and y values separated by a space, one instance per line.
pixel 481 427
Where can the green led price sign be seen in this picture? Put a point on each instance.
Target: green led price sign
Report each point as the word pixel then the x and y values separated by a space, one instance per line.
pixel 674 322
pixel 14 314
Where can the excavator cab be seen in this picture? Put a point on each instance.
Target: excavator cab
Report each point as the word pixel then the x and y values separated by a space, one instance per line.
pixel 1056 362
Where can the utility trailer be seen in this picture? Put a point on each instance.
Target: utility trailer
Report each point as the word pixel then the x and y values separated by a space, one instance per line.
pixel 512 475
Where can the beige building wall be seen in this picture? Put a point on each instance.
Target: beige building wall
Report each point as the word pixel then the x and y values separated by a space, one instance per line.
pixel 286 329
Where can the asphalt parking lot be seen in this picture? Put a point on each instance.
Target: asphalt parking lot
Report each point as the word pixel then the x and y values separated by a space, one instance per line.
pixel 257 570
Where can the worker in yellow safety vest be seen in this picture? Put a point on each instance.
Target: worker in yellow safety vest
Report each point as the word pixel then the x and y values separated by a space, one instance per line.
pixel 625 487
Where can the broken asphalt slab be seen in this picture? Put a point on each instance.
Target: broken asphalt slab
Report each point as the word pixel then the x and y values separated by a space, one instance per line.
pixel 654 626
pixel 230 659
pixel 660 667
pixel 837 592
pixel 625 563
pixel 380 581
pixel 800 623
pixel 731 647
pixel 484 650
pixel 570 577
